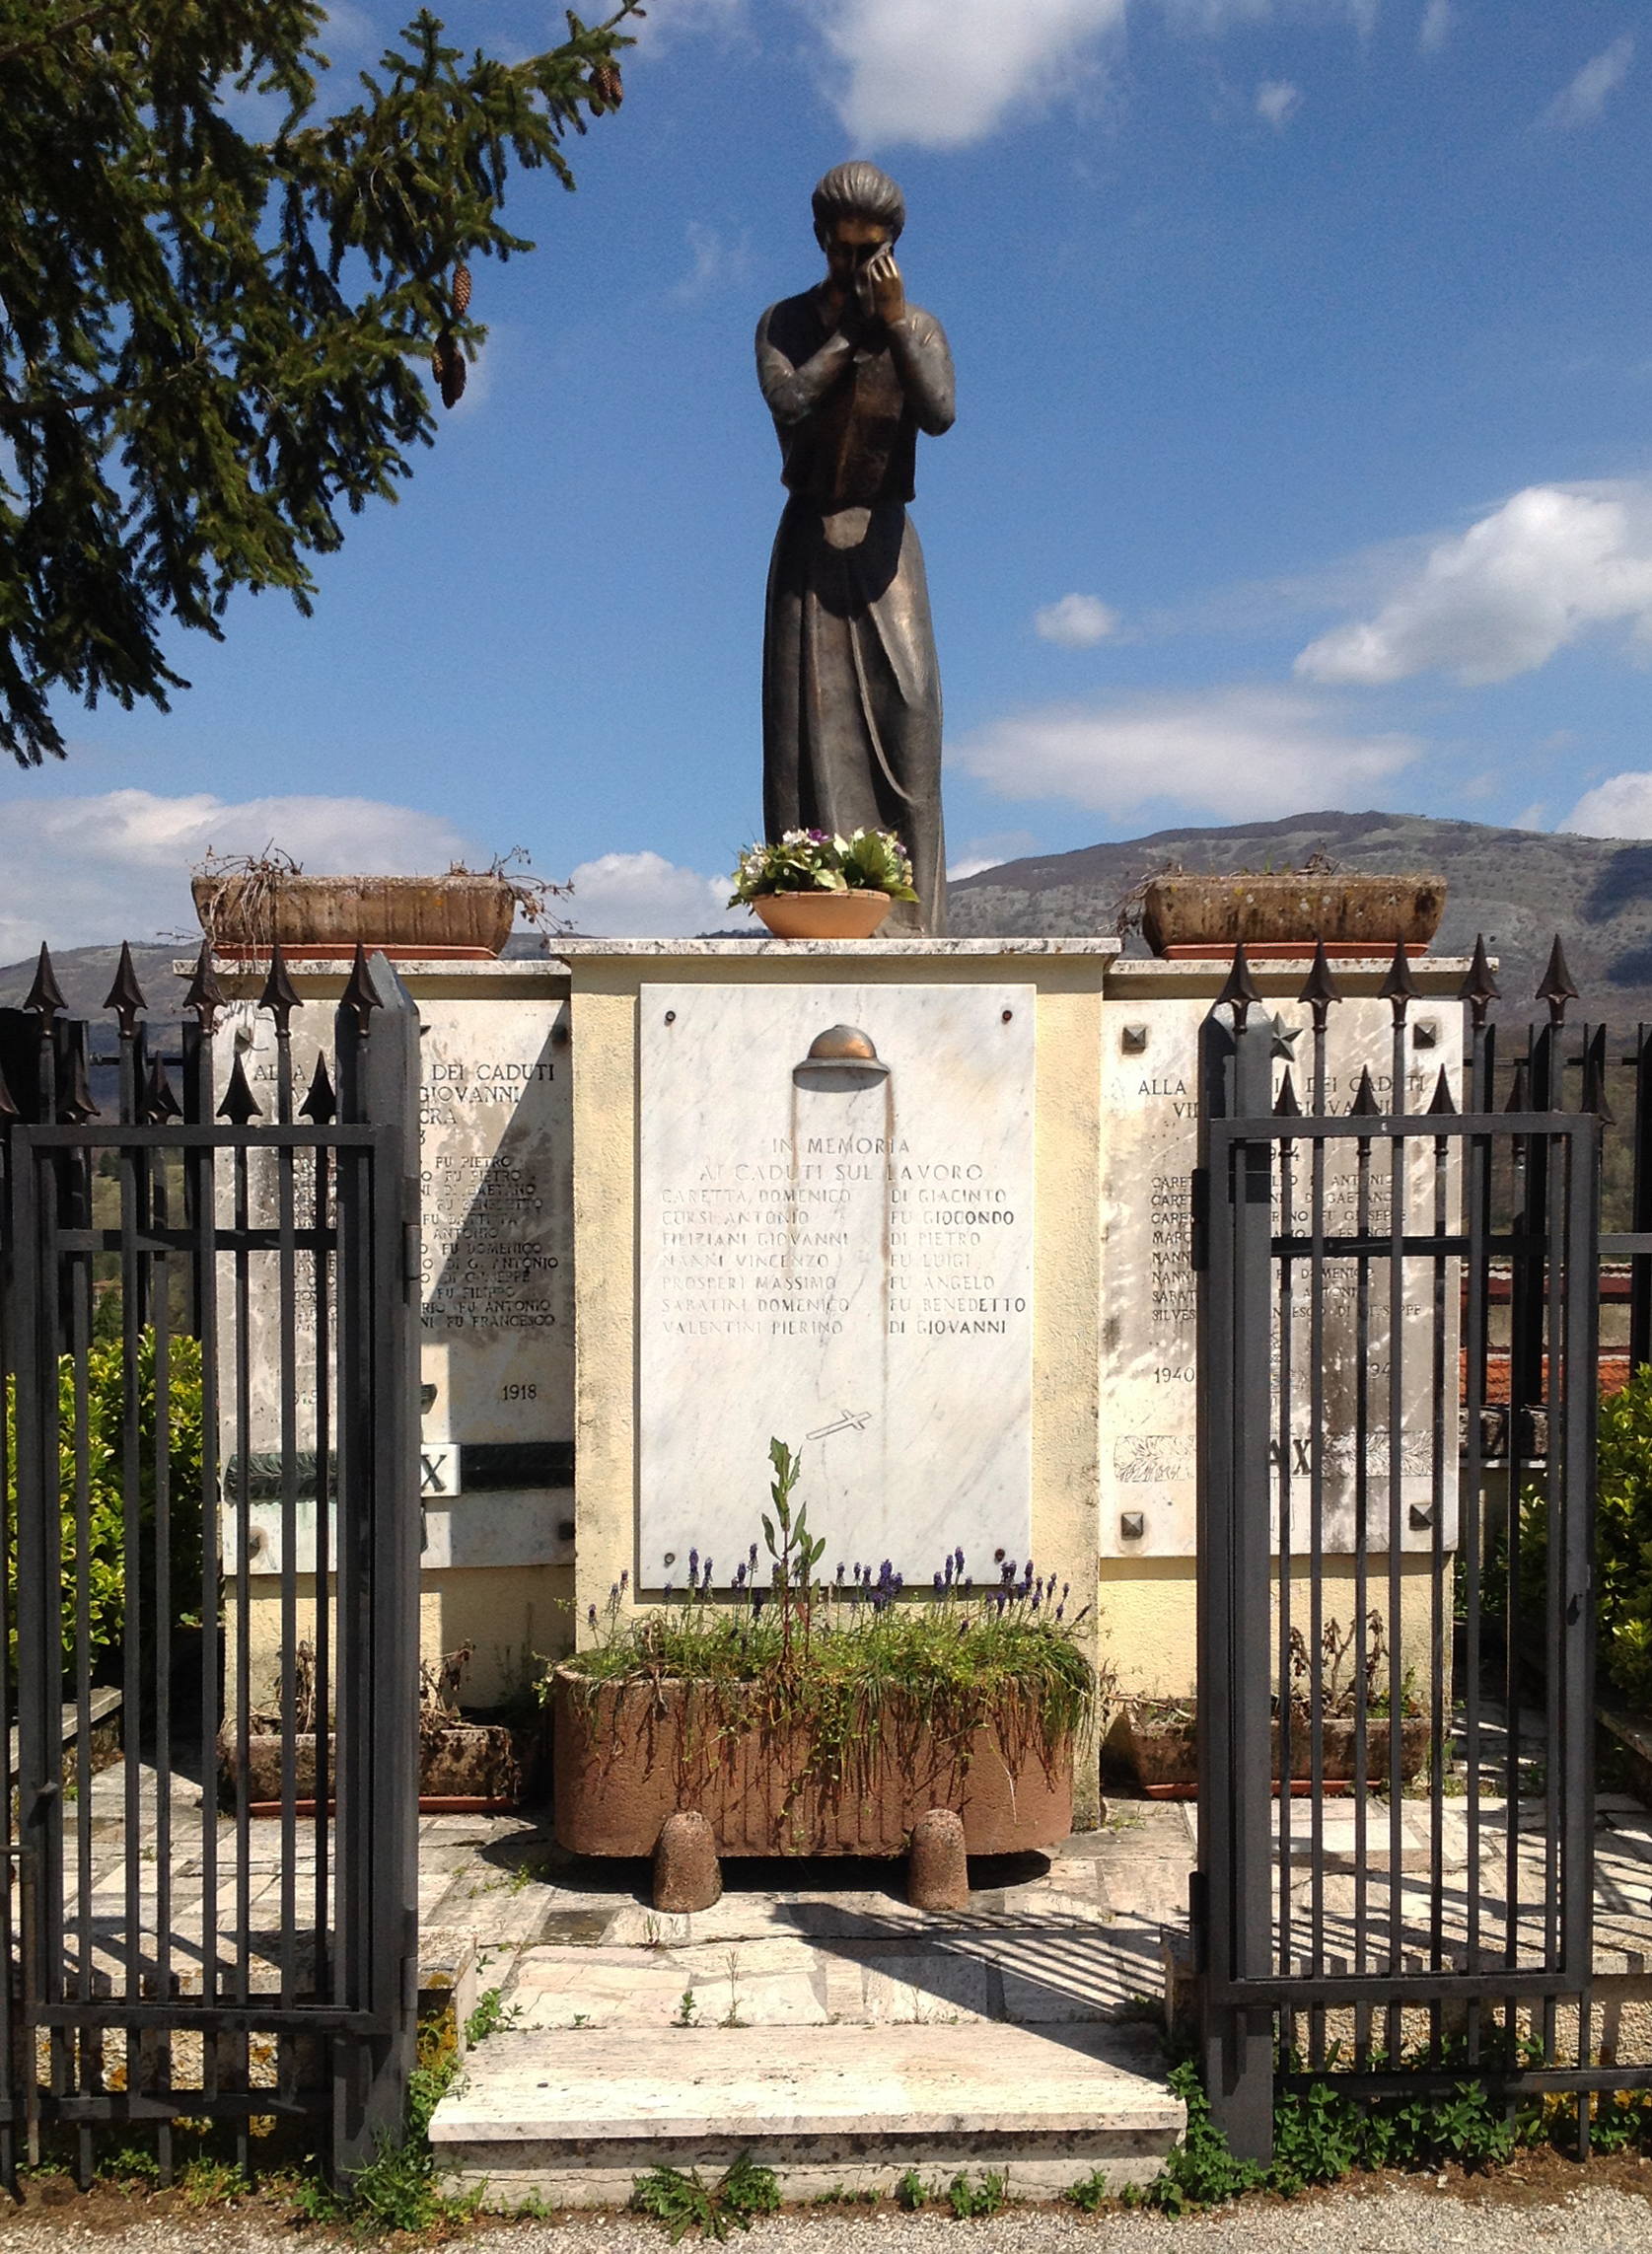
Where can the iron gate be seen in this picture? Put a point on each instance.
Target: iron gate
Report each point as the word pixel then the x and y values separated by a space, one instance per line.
pixel 209 1336
pixel 1350 1453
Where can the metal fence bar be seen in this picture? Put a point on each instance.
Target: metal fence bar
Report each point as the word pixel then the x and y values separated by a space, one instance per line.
pixel 1463 1194
pixel 1234 1192
pixel 9 2031
pixel 89 1208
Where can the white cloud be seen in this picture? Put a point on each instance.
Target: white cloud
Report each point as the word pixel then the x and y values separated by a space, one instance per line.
pixel 1620 807
pixel 1277 102
pixel 944 73
pixel 81 872
pixel 1237 753
pixel 644 895
pixel 1501 597
pixel 1217 16
pixel 1582 101
pixel 715 262
pixel 992 854
pixel 1435 26
pixel 1076 621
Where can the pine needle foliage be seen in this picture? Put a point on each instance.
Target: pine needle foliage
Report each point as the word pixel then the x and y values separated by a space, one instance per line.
pixel 211 344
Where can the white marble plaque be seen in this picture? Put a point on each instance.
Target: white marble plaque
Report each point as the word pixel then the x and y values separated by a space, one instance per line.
pixel 495 1158
pixel 1149 1434
pixel 842 1258
pixel 496 1338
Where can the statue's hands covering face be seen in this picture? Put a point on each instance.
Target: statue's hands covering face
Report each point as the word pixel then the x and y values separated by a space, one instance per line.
pixel 880 292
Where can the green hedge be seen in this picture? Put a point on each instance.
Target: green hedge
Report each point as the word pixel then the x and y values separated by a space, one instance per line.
pixel 1623 1540
pixel 106 1408
pixel 1622 1547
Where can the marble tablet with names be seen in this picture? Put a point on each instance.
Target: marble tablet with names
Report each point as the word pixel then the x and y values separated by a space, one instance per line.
pixel 836 1223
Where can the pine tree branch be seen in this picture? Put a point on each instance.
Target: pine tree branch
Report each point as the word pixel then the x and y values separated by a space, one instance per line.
pixel 16 412
pixel 52 35
pixel 212 340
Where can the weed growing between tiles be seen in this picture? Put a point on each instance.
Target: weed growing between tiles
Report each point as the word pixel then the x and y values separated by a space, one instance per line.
pixel 1322 2136
pixel 684 2201
pixel 398 2188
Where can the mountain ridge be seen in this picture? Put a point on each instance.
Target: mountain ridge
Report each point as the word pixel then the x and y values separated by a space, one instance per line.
pixel 1517 888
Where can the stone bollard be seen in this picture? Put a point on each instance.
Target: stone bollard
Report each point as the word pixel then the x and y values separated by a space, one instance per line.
pixel 687 1872
pixel 937 1869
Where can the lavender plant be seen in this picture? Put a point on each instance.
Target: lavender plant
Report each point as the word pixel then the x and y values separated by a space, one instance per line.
pixel 845 1662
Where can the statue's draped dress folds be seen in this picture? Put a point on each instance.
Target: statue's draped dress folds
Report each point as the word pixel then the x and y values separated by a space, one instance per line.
pixel 851 689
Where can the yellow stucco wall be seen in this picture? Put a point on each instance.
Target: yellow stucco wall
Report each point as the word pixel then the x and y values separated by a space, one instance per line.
pixel 1149 1614
pixel 516 1618
pixel 1066 1345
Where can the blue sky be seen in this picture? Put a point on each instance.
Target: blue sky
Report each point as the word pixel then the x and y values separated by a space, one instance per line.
pixel 1305 376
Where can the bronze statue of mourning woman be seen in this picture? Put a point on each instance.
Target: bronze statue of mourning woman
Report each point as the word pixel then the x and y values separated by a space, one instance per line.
pixel 851 373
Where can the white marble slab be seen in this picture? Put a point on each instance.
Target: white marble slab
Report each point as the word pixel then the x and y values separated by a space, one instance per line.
pixel 843 1261
pixel 495 1161
pixel 1149 1431
pixel 495 1152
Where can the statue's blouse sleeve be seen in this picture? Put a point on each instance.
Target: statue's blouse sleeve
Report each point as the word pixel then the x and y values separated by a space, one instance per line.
pixel 924 359
pixel 795 385
pixel 792 391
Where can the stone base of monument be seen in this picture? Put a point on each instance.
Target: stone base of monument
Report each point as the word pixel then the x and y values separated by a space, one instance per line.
pixel 573 2120
pixel 630 1755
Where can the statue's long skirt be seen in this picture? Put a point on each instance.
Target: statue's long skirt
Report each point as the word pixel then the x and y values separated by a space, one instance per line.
pixel 851 689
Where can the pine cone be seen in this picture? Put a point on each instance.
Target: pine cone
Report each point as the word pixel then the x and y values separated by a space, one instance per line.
pixel 446 365
pixel 461 290
pixel 607 91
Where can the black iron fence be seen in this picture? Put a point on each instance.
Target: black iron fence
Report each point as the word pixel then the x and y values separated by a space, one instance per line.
pixel 208 1343
pixel 1399 1370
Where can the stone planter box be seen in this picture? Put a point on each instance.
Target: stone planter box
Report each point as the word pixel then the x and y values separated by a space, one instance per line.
pixel 104 1745
pixel 1211 915
pixel 1160 1751
pixel 473 1762
pixel 632 1753
pixel 469 915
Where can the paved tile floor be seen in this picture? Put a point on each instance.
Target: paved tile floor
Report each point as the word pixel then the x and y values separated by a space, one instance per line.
pixel 1072 1937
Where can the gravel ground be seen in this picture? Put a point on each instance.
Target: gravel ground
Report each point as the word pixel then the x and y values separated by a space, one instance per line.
pixel 1384 2218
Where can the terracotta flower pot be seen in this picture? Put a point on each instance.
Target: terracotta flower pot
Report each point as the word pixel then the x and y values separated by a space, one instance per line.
pixel 823 915
pixel 1211 915
pixel 628 1755
pixel 472 914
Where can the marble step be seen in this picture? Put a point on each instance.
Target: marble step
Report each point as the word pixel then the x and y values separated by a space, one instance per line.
pixel 574 2117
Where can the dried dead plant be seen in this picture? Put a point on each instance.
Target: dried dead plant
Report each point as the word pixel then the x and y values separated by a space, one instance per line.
pixel 1338 1662
pixel 438 1682
pixel 239 908
pixel 532 894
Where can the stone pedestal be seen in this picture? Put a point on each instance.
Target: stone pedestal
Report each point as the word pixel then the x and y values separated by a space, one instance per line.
pixel 919 1209
pixel 887 1260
